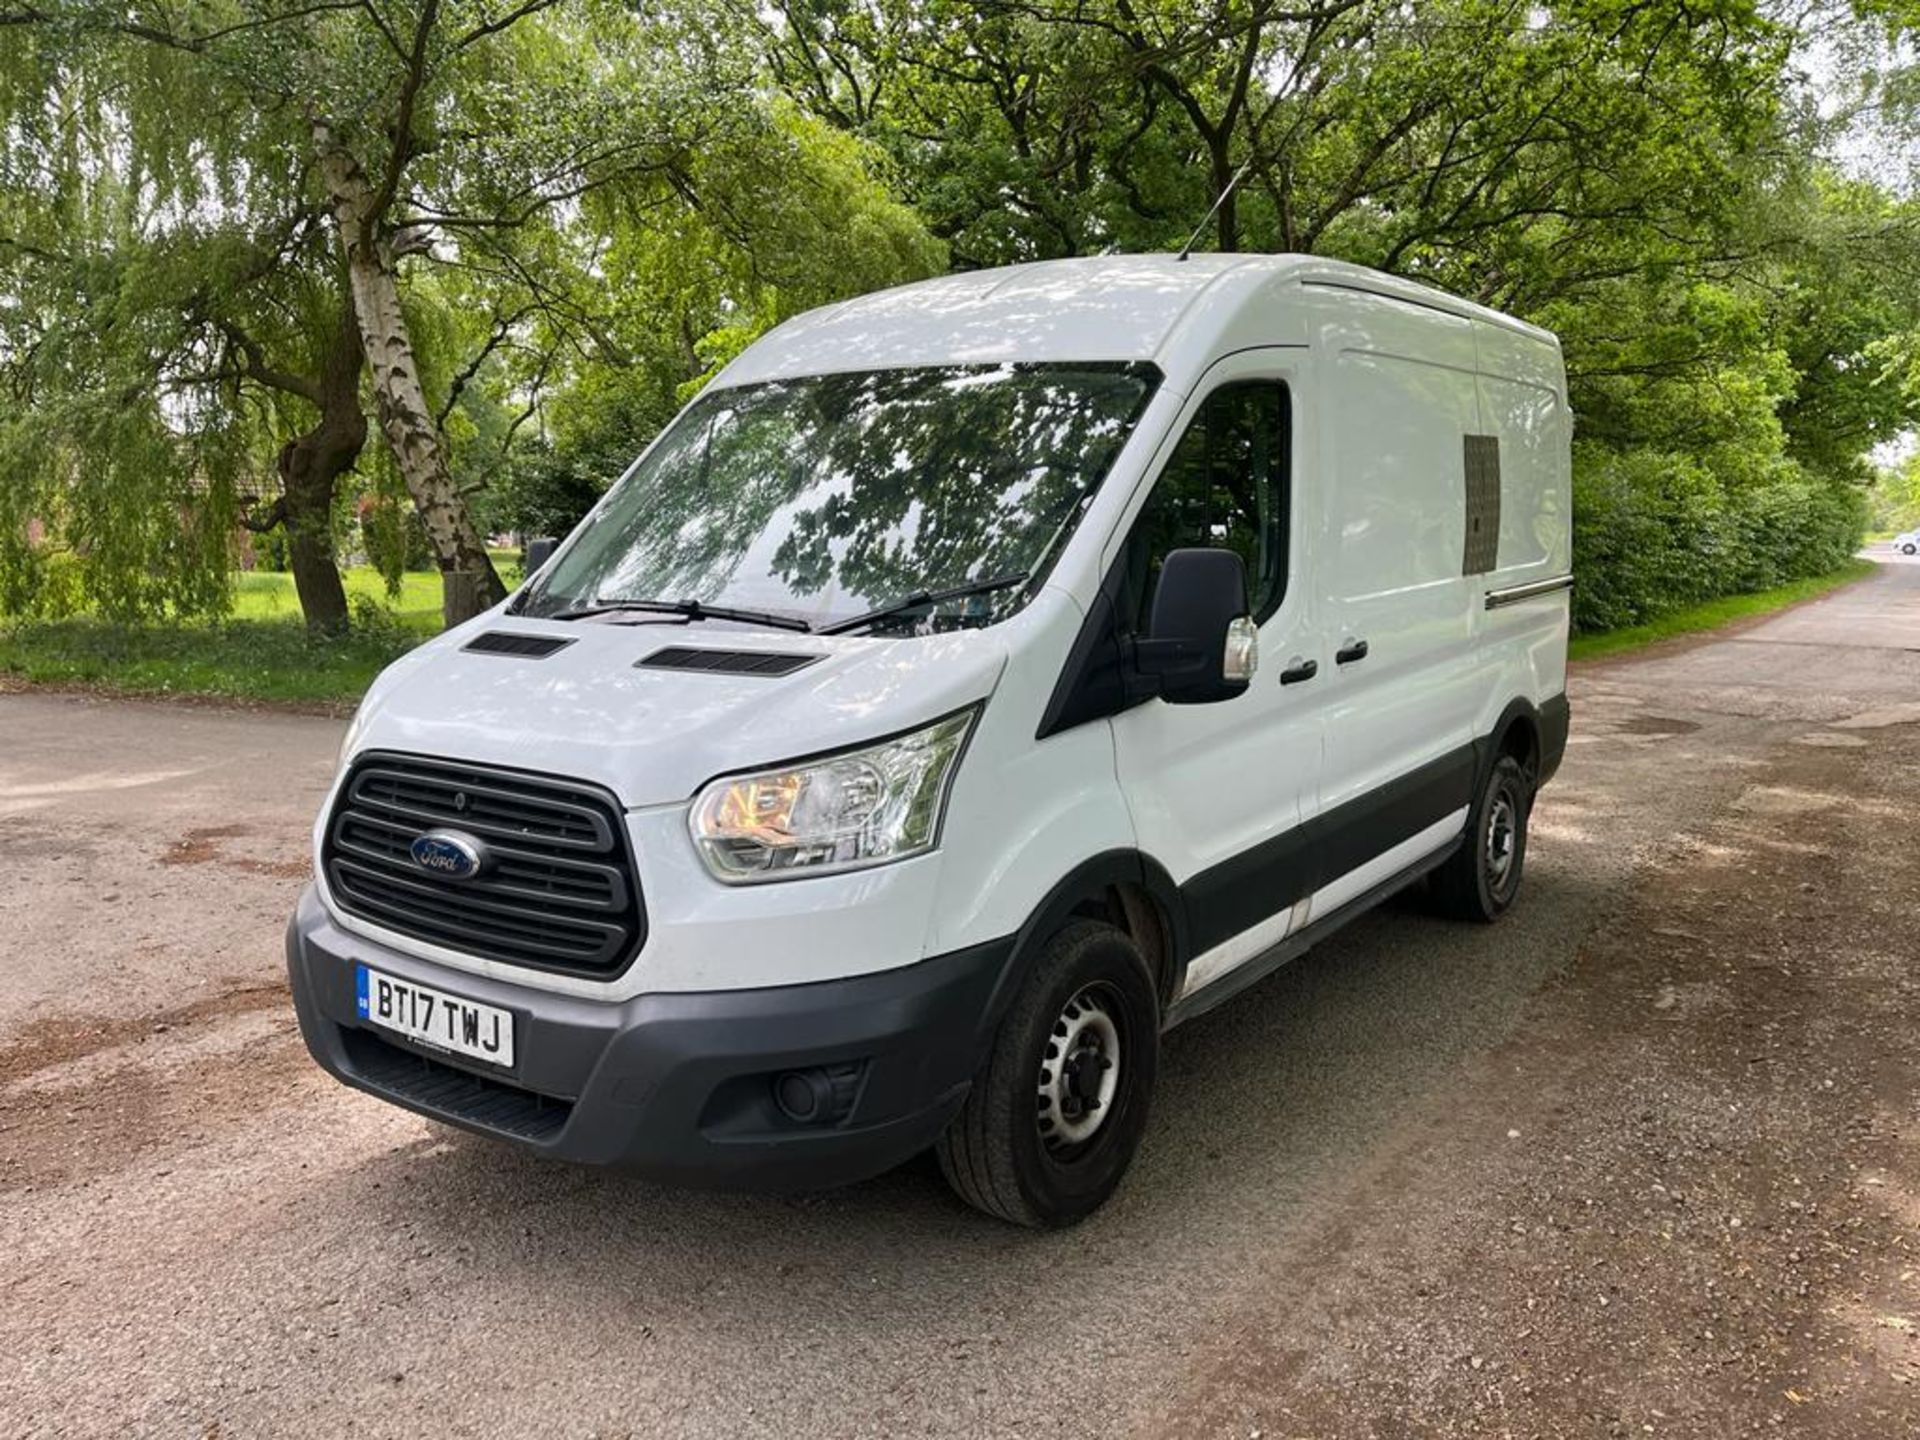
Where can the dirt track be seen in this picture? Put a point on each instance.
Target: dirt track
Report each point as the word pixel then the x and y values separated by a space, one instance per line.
pixel 1641 1160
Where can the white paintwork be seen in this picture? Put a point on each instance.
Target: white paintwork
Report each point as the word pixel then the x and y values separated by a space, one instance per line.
pixel 1398 397
pixel 1385 378
pixel 1205 782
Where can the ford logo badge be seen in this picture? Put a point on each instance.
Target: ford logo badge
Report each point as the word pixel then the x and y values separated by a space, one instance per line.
pixel 449 854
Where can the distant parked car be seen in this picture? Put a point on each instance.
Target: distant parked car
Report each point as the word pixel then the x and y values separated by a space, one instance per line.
pixel 1908 544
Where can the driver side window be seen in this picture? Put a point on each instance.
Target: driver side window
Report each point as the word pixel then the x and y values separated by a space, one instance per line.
pixel 1225 486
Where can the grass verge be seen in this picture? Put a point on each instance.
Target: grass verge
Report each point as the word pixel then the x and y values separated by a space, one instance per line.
pixel 274 661
pixel 1712 614
pixel 261 652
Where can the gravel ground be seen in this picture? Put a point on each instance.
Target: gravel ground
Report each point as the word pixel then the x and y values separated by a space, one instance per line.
pixel 1639 1160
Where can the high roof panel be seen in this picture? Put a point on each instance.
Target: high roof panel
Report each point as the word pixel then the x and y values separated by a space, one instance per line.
pixel 1110 307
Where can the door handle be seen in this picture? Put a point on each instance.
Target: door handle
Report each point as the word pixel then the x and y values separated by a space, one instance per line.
pixel 1351 651
pixel 1298 670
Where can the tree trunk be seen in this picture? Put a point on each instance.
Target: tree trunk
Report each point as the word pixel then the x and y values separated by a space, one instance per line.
pixel 309 521
pixel 469 583
pixel 310 468
pixel 1228 224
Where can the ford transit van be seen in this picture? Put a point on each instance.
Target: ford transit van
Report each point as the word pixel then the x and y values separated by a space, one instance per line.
pixel 975 681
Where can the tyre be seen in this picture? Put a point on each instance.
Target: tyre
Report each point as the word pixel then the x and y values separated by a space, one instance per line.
pixel 1909 549
pixel 1057 1111
pixel 1483 876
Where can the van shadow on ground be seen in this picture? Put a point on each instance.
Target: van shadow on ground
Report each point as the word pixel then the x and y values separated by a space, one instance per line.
pixel 1259 1101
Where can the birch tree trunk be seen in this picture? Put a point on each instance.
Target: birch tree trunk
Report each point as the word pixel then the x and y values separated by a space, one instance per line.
pixel 469 583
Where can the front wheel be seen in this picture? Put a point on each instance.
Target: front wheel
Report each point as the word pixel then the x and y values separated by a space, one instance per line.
pixel 1056 1113
pixel 1482 878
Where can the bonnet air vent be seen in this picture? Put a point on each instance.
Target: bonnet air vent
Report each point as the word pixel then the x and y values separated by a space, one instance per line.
pixel 725 662
pixel 508 642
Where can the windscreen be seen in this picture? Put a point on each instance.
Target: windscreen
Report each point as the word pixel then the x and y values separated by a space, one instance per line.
pixel 826 497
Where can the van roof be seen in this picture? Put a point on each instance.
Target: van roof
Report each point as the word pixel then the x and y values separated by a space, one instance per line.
pixel 1106 307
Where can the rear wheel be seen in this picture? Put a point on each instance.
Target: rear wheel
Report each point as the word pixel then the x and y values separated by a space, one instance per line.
pixel 1482 878
pixel 1056 1113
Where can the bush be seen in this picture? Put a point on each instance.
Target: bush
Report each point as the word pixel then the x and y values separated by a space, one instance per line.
pixel 379 625
pixel 43 584
pixel 270 551
pixel 1656 531
pixel 394 537
pixel 543 492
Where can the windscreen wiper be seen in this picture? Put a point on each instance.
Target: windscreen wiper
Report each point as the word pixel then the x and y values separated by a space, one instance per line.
pixel 690 609
pixel 925 599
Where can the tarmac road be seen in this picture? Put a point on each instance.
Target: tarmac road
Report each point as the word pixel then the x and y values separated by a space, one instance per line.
pixel 1420 1182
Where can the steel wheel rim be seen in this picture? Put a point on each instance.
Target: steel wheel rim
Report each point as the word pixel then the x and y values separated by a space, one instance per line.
pixel 1079 1071
pixel 1503 836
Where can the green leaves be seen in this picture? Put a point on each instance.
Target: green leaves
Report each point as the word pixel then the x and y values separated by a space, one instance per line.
pixel 1648 180
pixel 590 206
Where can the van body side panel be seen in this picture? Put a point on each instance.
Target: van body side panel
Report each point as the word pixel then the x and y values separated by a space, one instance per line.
pixel 1399 394
pixel 1523 404
pixel 1023 813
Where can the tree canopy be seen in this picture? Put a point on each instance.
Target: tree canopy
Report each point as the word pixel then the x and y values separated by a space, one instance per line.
pixel 235 233
pixel 447 264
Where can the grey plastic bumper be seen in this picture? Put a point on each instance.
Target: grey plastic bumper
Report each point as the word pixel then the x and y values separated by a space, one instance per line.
pixel 1556 719
pixel 678 1086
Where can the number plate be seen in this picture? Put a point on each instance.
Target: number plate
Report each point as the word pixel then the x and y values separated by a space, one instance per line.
pixel 434 1018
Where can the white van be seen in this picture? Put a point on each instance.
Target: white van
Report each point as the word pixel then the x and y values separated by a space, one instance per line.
pixel 976 680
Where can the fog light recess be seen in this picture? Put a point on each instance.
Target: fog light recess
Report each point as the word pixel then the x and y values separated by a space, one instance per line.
pixel 819 1094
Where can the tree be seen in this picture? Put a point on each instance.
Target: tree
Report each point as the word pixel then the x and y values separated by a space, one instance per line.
pixel 176 323
pixel 355 112
pixel 657 287
pixel 1504 149
pixel 525 231
pixel 1647 179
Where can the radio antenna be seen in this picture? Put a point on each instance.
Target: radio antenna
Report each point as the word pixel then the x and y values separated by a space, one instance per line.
pixel 1214 209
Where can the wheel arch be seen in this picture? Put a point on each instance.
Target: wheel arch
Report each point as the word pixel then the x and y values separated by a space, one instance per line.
pixel 1518 733
pixel 1124 888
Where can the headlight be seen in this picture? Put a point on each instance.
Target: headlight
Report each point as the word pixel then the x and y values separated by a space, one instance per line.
pixel 840 812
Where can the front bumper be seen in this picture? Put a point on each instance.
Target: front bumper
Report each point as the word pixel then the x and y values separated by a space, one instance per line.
pixel 678 1086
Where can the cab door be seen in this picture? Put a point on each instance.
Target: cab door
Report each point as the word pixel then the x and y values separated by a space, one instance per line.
pixel 1220 792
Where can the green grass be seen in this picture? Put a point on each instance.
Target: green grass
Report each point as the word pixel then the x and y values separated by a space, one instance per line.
pixel 272 660
pixel 268 595
pixel 1713 613
pixel 261 652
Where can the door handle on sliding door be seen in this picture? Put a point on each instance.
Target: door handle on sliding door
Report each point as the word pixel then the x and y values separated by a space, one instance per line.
pixel 1298 670
pixel 1351 651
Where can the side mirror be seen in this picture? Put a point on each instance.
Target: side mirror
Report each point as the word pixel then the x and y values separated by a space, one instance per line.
pixel 537 553
pixel 1201 644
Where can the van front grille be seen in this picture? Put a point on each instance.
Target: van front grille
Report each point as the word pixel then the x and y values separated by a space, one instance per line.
pixel 555 889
